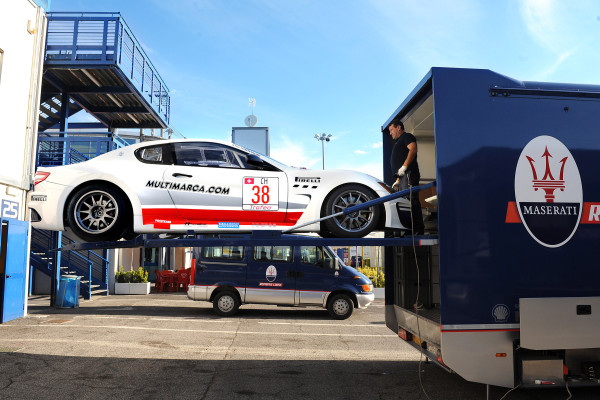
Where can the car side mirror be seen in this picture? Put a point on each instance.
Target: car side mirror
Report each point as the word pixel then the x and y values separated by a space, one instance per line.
pixel 255 160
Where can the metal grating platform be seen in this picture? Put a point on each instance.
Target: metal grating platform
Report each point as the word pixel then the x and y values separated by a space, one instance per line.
pixel 98 62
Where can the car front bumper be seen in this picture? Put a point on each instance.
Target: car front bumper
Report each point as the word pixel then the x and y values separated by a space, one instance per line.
pixel 364 299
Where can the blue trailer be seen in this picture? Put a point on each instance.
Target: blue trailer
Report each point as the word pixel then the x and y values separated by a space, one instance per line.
pixel 511 294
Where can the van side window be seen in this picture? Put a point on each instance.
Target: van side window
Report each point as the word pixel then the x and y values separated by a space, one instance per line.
pixel 273 253
pixel 231 253
pixel 315 255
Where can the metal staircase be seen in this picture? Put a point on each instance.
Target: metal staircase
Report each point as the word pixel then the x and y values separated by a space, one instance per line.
pixel 49 114
pixel 92 267
pixel 93 62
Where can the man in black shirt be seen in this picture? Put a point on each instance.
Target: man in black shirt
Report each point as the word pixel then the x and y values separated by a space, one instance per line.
pixel 404 164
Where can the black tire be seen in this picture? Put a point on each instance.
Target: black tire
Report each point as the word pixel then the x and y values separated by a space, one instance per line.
pixel 98 213
pixel 340 306
pixel 226 303
pixel 129 234
pixel 354 225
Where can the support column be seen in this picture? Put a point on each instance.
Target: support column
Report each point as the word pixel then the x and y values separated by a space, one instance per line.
pixel 57 239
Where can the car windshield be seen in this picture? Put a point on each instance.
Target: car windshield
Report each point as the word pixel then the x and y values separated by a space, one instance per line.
pixel 268 159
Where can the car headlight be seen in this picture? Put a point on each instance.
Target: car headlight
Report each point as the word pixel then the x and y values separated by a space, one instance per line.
pixel 367 288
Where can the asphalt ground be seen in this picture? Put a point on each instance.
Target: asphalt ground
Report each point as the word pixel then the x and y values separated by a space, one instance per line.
pixel 166 346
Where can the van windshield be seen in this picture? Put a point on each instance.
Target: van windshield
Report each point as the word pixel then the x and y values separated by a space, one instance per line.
pixel 317 255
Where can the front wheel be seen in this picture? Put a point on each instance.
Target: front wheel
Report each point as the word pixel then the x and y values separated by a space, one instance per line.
pixel 226 303
pixel 353 225
pixel 340 306
pixel 98 213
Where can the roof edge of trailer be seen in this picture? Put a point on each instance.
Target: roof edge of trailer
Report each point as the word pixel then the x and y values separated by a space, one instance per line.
pixel 423 86
pixel 557 89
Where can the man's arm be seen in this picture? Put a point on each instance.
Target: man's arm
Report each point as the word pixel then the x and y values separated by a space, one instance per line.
pixel 412 154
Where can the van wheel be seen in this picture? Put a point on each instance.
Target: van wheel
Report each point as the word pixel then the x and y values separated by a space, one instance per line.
pixel 226 303
pixel 340 306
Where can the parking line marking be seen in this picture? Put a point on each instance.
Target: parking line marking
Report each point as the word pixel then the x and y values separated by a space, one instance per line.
pixel 228 321
pixel 70 326
pixel 332 324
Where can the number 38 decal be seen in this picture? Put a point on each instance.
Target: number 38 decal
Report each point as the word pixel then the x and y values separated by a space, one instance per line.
pixel 260 194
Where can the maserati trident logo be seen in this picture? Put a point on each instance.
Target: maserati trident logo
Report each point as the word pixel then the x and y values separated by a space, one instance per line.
pixel 548 191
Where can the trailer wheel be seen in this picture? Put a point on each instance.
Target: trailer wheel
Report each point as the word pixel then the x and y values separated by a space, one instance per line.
pixel 98 213
pixel 340 306
pixel 226 303
pixel 356 224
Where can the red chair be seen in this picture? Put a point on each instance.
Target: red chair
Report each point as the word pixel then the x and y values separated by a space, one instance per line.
pixel 171 278
pixel 158 284
pixel 164 280
pixel 183 279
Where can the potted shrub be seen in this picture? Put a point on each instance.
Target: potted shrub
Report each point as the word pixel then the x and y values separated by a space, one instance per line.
pixel 132 282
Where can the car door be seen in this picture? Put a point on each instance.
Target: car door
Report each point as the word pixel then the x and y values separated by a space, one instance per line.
pixel 145 177
pixel 317 274
pixel 213 185
pixel 271 278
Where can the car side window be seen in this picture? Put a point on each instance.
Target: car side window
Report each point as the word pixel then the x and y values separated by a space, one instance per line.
pixel 315 255
pixel 228 253
pixel 152 154
pixel 282 254
pixel 204 155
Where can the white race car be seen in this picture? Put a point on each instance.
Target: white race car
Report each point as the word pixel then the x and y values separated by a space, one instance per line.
pixel 177 186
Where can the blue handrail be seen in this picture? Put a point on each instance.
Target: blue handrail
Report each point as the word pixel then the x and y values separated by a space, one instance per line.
pixel 58 148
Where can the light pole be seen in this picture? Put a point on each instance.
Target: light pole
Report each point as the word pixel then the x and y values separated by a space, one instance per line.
pixel 323 137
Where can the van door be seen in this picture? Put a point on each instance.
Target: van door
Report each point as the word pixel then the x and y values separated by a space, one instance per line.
pixel 219 266
pixel 318 274
pixel 271 277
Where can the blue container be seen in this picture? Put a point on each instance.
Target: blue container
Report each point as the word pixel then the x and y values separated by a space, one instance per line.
pixel 68 292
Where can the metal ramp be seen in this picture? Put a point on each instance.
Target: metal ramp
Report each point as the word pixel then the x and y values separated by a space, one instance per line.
pixel 94 60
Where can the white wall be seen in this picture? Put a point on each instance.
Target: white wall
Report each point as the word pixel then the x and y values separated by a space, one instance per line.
pixel 22 36
pixel 22 44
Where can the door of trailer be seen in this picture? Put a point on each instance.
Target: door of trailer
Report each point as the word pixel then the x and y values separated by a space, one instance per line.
pixel 13 264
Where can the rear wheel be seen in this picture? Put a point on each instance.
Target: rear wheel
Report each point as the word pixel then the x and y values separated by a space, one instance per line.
pixel 98 213
pixel 226 303
pixel 340 306
pixel 357 224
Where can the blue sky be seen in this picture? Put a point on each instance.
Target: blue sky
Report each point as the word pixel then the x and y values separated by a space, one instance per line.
pixel 342 67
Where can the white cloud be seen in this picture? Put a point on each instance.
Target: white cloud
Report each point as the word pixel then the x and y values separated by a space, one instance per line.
pixel 377 145
pixel 541 21
pixel 360 152
pixel 442 37
pixel 374 168
pixel 563 29
pixel 547 73
pixel 294 154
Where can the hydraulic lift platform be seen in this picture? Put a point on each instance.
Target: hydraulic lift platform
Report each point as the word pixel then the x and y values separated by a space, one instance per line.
pixel 256 238
pixel 269 237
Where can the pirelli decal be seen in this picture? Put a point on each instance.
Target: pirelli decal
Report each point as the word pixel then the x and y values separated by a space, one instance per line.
pixel 188 187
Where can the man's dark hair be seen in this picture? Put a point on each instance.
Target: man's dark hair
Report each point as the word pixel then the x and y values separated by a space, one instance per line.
pixel 397 122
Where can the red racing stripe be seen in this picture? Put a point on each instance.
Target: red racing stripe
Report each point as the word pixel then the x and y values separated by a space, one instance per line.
pixel 212 217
